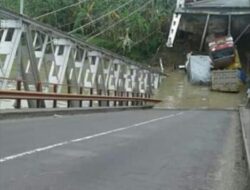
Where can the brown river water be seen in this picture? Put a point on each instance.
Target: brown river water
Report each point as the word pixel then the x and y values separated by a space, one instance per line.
pixel 177 92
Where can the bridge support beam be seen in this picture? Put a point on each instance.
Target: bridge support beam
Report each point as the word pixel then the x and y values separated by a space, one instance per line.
pixel 175 24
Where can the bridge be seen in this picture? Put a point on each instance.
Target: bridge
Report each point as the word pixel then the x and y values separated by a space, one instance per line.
pixel 208 8
pixel 50 61
pixel 76 116
pixel 217 7
pixel 221 4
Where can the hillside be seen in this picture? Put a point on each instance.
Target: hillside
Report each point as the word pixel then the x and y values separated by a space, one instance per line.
pixel 133 28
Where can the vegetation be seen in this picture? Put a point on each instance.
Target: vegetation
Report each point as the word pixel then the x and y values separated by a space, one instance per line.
pixel 130 27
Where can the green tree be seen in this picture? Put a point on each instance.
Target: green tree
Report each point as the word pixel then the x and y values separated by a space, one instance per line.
pixel 138 36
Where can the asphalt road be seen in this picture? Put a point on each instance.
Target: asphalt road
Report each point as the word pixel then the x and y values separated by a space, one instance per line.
pixel 136 150
pixel 223 3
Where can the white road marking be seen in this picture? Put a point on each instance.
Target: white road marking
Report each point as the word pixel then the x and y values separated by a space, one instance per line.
pixel 42 149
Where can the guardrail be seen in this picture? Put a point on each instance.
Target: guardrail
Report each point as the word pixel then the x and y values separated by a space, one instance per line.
pixel 75 99
pixel 26 95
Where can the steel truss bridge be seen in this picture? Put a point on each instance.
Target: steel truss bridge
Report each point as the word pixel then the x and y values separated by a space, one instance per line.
pixel 41 62
pixel 206 7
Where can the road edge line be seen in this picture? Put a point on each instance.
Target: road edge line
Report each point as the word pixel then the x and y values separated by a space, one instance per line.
pixel 72 141
pixel 245 139
pixel 33 113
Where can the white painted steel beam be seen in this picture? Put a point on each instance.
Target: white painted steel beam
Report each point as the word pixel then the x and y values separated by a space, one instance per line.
pixel 175 24
pixel 9 42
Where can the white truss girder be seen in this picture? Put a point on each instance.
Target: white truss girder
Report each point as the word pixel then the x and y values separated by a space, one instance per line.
pixel 9 42
pixel 175 24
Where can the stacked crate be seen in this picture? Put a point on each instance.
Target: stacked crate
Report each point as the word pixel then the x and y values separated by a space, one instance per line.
pixel 225 81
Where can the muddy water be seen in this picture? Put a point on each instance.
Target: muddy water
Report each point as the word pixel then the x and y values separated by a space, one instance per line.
pixel 177 92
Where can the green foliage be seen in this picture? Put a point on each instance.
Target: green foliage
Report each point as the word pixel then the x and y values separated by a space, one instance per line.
pixel 137 37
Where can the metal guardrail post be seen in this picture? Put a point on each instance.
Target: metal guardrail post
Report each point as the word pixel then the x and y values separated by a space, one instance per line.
pixel 141 97
pixel 132 102
pixel 18 87
pixel 55 91
pixel 108 94
pixel 38 89
pixel 115 94
pixel 81 92
pixel 69 92
pixel 91 101
pixel 100 102
pixel 127 102
pixel 146 96
pixel 137 102
pixel 121 102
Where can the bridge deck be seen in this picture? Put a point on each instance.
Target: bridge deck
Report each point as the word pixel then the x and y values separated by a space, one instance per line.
pixel 222 3
pixel 140 150
pixel 217 7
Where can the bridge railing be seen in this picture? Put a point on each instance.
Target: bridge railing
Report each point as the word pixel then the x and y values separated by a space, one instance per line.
pixel 73 99
pixel 39 55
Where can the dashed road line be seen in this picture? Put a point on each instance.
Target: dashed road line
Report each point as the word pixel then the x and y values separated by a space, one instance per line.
pixel 42 149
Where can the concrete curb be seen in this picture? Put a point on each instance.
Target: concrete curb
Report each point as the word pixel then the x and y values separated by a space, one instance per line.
pixel 31 113
pixel 198 109
pixel 245 126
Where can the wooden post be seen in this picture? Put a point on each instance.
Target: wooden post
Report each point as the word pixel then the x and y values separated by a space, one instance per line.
pixel 229 25
pixel 204 33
